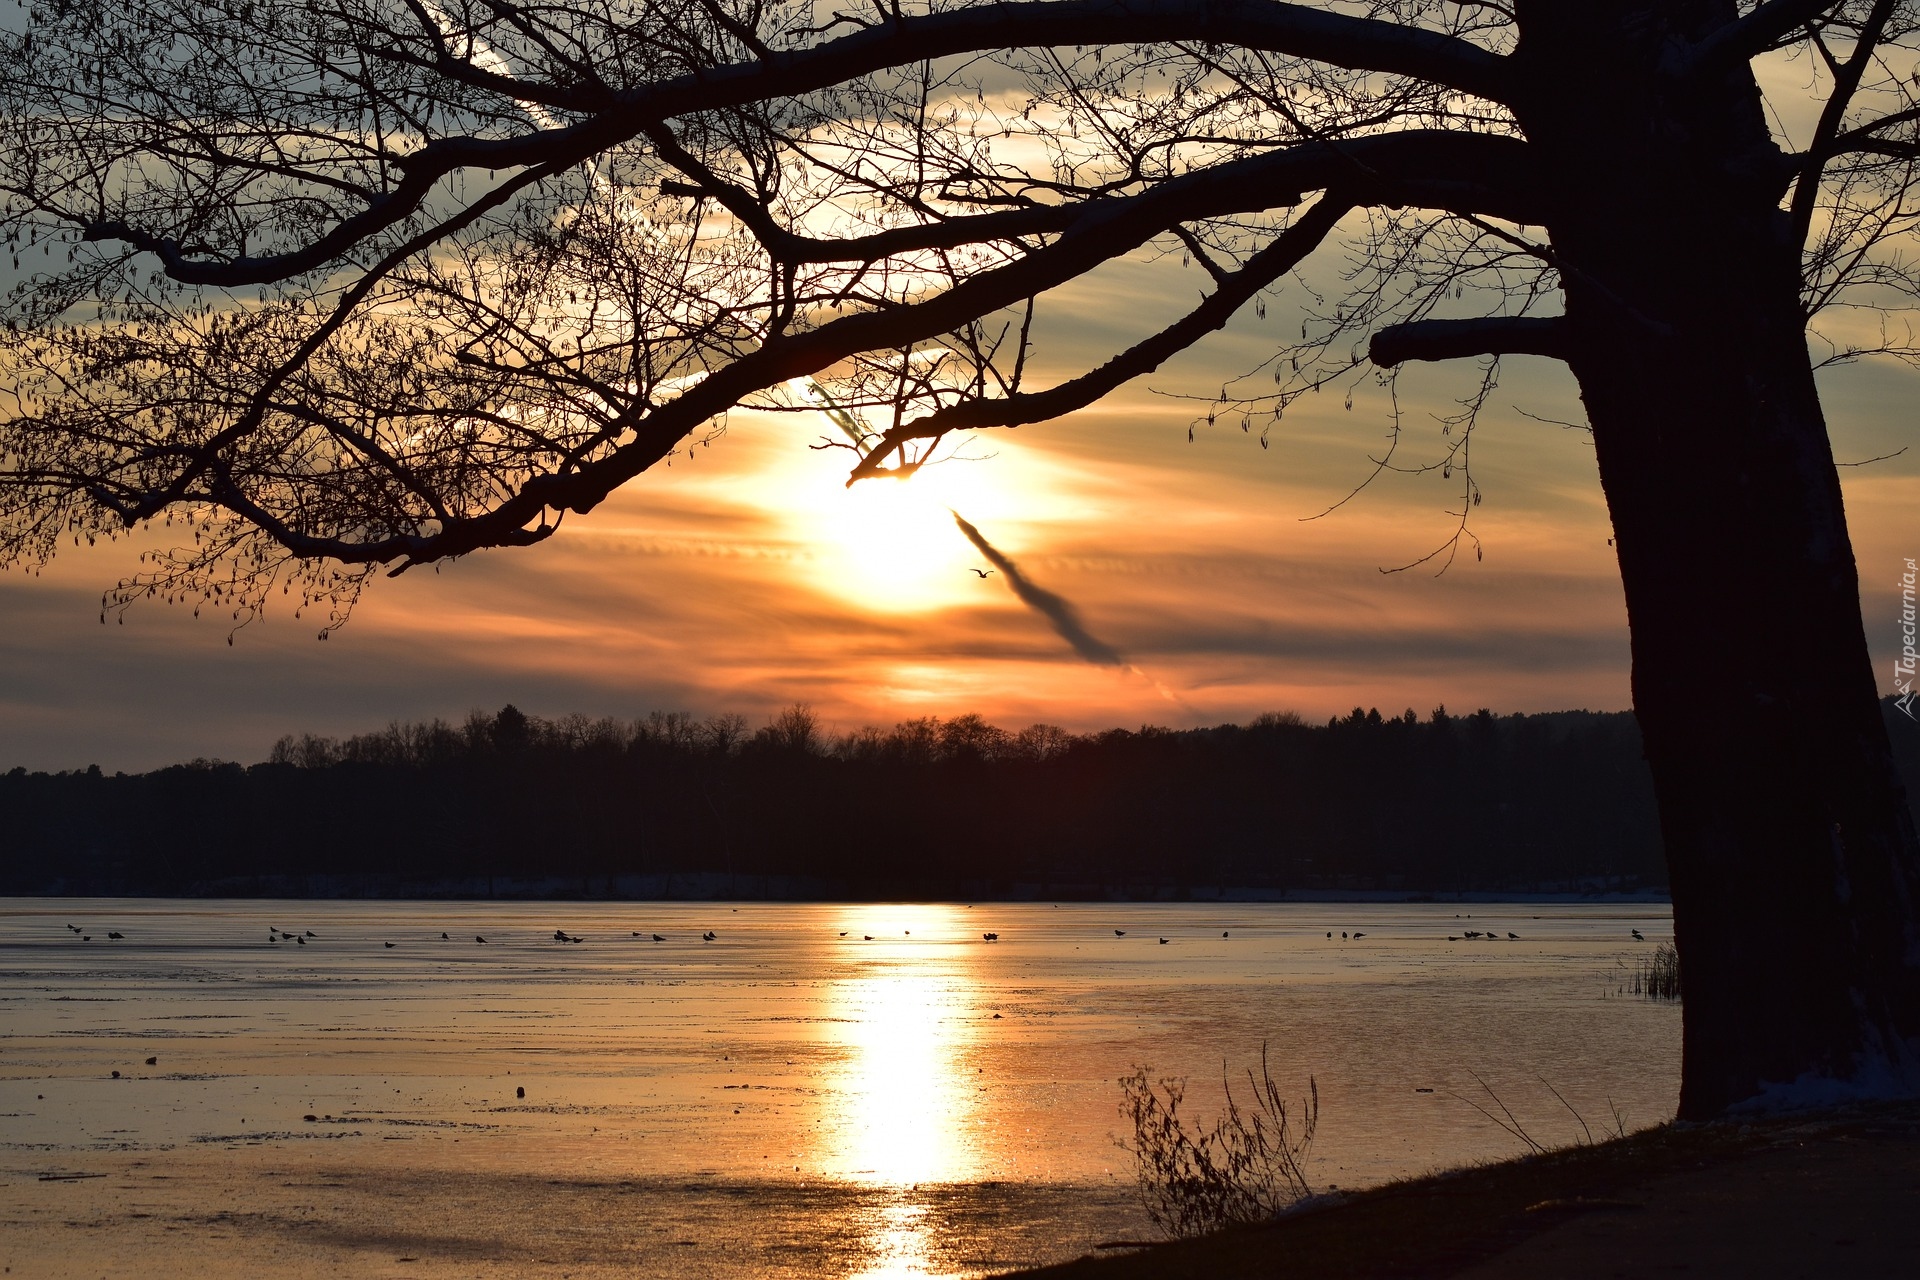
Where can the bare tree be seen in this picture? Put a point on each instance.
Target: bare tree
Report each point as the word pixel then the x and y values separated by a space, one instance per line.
pixel 342 284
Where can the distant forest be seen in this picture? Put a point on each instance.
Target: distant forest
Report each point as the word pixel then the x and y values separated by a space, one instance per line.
pixel 672 806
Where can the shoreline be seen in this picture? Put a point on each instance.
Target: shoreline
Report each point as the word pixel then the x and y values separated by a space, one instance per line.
pixel 1804 1194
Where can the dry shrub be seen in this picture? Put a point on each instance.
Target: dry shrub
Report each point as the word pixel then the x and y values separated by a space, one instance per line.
pixel 1247 1168
pixel 1658 978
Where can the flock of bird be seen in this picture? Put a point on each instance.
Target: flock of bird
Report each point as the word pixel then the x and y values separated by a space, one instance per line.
pixel 277 935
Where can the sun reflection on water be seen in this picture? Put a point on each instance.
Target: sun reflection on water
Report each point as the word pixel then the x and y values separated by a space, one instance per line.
pixel 904 1101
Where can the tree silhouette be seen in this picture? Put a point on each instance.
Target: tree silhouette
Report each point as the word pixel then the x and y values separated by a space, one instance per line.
pixel 342 284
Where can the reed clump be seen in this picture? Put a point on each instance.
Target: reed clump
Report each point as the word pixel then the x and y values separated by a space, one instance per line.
pixel 1658 977
pixel 1248 1167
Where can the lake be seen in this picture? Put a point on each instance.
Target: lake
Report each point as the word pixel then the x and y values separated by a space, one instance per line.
pixel 820 1089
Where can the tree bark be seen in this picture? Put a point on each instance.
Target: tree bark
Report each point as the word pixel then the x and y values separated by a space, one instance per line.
pixel 1791 849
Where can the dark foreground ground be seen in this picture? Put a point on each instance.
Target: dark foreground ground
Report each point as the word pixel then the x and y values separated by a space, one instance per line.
pixel 1832 1195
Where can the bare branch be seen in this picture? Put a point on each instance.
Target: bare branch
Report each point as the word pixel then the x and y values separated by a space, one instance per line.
pixel 1753 34
pixel 1454 339
pixel 1296 30
pixel 1235 289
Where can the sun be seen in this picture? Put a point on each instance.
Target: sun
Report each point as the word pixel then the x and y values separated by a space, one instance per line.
pixel 891 546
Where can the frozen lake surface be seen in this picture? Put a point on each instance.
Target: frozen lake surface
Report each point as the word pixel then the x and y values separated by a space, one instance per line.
pixel 822 1089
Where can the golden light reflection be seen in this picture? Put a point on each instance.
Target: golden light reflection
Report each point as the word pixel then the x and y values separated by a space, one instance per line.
pixel 903 1101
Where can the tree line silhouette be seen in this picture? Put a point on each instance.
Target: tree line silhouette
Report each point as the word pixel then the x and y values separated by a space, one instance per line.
pixel 670 804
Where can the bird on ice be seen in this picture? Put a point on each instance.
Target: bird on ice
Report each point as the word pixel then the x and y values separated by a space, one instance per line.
pixel 388 945
pixel 478 938
pixel 1119 933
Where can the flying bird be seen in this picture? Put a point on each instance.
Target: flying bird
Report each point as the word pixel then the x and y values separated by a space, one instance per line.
pixel 1639 936
pixel 982 572
pixel 1057 610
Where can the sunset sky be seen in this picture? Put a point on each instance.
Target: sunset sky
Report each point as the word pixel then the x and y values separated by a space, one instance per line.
pixel 752 578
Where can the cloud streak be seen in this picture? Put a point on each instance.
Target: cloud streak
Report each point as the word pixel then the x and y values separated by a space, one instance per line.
pixel 1057 610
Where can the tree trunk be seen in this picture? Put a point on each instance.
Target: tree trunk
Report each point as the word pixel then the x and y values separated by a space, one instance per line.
pixel 1791 849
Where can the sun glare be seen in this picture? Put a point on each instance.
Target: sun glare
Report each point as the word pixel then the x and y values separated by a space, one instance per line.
pixel 891 546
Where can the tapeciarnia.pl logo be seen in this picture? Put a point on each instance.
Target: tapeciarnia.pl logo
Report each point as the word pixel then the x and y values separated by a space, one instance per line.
pixel 1903 666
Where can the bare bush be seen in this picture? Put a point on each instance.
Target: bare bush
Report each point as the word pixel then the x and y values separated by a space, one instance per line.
pixel 1658 977
pixel 1249 1166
